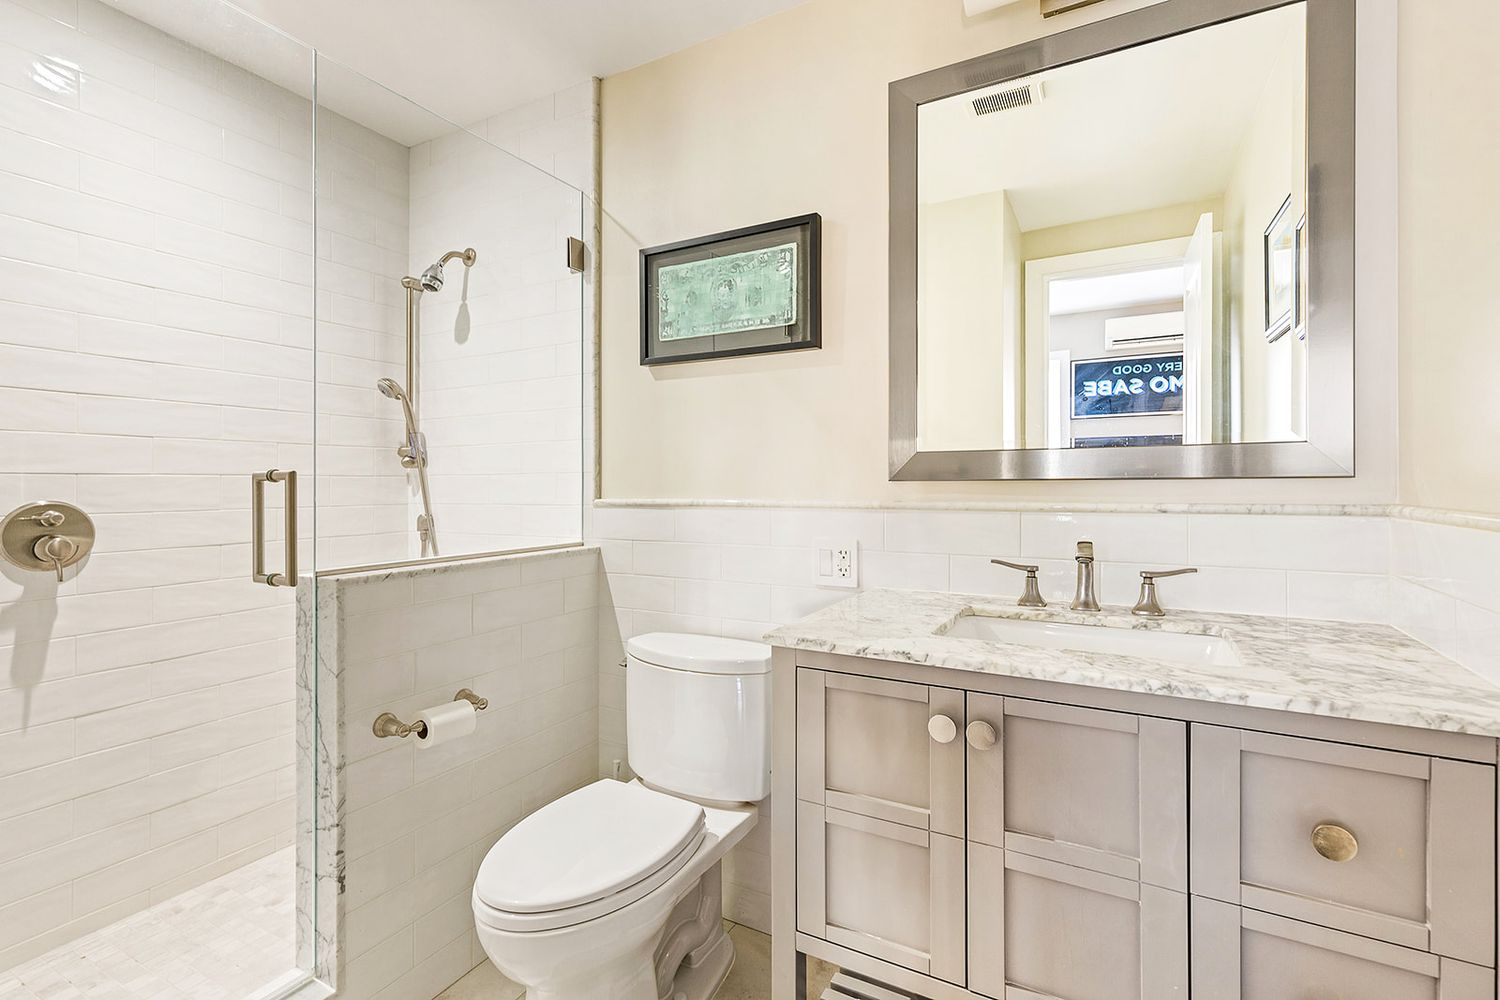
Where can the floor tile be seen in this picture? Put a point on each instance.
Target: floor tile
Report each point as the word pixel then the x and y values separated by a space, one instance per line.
pixel 749 979
pixel 220 941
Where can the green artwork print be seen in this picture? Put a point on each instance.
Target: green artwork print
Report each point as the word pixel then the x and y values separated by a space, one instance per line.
pixel 753 290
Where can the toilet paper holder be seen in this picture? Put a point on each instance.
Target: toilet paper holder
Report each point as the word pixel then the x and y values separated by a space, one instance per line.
pixel 386 723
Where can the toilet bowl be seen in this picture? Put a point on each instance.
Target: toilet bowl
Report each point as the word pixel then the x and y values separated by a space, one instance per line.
pixel 613 891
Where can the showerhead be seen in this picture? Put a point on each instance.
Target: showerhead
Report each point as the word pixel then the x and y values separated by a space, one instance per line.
pixel 391 389
pixel 432 278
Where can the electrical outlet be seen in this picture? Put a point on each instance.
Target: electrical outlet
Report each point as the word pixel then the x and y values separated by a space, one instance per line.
pixel 837 563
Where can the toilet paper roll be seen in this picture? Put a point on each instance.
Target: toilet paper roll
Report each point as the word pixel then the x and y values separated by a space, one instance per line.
pixel 447 722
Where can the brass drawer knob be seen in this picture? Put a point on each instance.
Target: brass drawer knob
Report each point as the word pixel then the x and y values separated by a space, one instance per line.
pixel 1334 842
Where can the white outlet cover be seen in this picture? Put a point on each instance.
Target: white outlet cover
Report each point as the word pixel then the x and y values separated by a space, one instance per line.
pixel 836 562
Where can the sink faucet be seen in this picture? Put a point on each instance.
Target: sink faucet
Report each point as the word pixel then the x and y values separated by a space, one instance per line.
pixel 1147 606
pixel 1084 597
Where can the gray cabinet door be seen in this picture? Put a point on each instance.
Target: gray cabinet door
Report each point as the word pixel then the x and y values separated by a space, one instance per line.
pixel 1039 930
pixel 1105 791
pixel 890 891
pixel 1412 855
pixel 1243 954
pixel 880 820
pixel 867 746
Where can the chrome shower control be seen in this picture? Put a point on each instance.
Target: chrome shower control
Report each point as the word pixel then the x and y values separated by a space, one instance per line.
pixel 46 537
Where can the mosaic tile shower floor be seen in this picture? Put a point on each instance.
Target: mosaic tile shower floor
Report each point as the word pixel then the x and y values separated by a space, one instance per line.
pixel 223 940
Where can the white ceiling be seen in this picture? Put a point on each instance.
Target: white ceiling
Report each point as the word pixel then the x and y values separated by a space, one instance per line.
pixel 1115 291
pixel 1153 126
pixel 463 59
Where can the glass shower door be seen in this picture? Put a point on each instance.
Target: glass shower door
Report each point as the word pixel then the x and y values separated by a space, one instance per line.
pixel 156 353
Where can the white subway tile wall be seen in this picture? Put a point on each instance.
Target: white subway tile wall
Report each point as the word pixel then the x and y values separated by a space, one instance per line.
pixel 156 303
pixel 363 500
pixel 1446 582
pixel 159 273
pixel 502 344
pixel 520 631
pixel 739 571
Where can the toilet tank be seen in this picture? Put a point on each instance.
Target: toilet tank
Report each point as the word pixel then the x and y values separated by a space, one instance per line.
pixel 698 715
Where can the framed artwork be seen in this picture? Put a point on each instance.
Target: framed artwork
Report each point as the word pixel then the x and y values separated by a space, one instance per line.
pixel 1281 272
pixel 747 291
pixel 1303 257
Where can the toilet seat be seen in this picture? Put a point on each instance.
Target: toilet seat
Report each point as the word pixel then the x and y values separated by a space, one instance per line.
pixel 586 855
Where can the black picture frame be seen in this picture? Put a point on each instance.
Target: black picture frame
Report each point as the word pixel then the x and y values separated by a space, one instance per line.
pixel 804 334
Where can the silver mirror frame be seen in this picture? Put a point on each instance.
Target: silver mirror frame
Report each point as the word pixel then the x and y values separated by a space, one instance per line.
pixel 1329 449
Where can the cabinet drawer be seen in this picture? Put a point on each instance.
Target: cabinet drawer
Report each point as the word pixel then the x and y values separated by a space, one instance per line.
pixel 1106 791
pixel 864 746
pixel 885 889
pixel 1242 954
pixel 1386 845
pixel 1039 930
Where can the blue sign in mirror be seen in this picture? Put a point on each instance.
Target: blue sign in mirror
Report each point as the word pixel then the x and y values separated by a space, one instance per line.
pixel 1125 387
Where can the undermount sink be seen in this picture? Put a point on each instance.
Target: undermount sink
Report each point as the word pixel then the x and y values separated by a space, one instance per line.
pixel 1178 647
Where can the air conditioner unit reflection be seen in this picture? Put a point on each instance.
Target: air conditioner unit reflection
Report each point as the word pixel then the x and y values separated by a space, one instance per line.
pixel 1132 333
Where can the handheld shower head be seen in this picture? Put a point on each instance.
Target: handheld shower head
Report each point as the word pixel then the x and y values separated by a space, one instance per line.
pixel 391 389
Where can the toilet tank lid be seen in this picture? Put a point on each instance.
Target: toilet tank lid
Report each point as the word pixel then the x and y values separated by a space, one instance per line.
pixel 703 654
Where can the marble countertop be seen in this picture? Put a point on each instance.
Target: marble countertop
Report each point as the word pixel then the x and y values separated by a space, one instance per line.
pixel 1369 673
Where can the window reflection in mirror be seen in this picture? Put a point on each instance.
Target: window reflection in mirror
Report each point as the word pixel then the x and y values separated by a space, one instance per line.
pixel 1109 251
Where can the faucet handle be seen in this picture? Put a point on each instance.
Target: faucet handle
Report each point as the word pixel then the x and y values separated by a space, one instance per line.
pixel 1031 597
pixel 1147 606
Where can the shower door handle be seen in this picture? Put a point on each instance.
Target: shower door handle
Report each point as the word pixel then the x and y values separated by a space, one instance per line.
pixel 258 528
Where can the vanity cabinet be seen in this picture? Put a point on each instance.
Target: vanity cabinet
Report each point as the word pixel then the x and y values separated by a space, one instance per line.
pixel 1103 791
pixel 1077 851
pixel 1245 954
pixel 962 844
pixel 880 819
pixel 1398 847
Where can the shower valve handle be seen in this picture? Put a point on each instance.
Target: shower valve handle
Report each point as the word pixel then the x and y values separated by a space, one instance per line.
pixel 57 550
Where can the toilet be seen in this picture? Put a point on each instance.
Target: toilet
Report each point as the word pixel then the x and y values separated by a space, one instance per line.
pixel 613 891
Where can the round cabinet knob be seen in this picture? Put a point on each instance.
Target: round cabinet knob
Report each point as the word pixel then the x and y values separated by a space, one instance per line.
pixel 1334 842
pixel 942 729
pixel 981 735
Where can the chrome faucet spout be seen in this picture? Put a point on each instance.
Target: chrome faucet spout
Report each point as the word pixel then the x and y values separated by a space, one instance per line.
pixel 1085 596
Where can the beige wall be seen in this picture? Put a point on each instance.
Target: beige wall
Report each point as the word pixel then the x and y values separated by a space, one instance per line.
pixel 1450 254
pixel 969 300
pixel 786 116
pixel 1151 226
pixel 1272 164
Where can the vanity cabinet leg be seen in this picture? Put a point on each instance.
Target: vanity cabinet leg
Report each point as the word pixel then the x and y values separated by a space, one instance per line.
pixel 788 966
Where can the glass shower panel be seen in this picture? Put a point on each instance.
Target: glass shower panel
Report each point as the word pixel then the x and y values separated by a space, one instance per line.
pixel 156 350
pixel 450 332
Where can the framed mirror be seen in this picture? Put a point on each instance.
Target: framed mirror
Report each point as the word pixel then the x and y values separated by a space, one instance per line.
pixel 1127 250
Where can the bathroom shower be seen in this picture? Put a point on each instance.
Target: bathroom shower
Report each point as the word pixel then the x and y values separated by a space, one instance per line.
pixel 413 451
